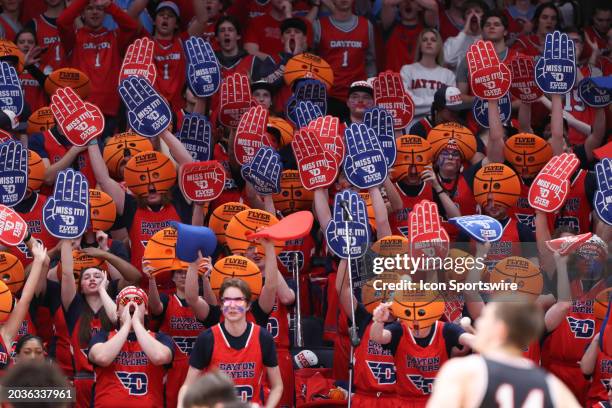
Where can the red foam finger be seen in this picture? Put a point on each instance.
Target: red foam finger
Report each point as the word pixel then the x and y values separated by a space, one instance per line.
pixel 568 244
pixel 294 226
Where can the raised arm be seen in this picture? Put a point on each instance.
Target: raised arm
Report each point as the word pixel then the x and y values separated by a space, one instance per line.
pixel 177 149
pixel 109 185
pixel 267 298
pixel 389 13
pixel 378 333
pixel 107 302
pixel 199 306
pixel 65 23
pixel 381 215
pixel 542 233
pixel 556 125
pixel 495 148
pixel 68 284
pixel 595 139
pixel 157 352
pixel 156 306
pixel 321 206
pixel 342 287
pixel 473 300
pixel 557 312
pixel 63 163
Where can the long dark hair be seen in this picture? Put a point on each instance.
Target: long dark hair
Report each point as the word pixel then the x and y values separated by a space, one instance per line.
pixel 538 12
pixel 87 315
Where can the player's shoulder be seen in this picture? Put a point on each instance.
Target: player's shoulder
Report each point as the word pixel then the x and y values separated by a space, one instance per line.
pixel 464 366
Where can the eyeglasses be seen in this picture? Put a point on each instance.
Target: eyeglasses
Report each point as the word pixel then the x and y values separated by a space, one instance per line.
pixel 136 299
pixel 236 300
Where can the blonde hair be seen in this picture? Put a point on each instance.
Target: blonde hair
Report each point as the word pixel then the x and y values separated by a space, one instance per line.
pixel 440 56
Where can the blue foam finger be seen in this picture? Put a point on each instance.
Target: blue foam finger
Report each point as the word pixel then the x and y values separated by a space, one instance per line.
pixel 593 95
pixel 67 218
pixel 603 196
pixel 480 109
pixel 264 171
pixel 203 69
pixel 480 227
pixel 13 173
pixel 149 114
pixel 365 164
pixel 382 122
pixel 11 93
pixel 192 239
pixel 556 69
pixel 196 136
pixel 358 230
pixel 306 112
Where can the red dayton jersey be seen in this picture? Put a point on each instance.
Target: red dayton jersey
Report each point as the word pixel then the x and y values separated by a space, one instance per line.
pixel 55 150
pixel 34 94
pixel 278 325
pixel 33 216
pixel 374 367
pixel 600 384
pixel 47 36
pixel 265 32
pixel 576 212
pixel 418 366
pixel 345 52
pixel 528 45
pixel 578 109
pixel 522 211
pixel 245 366
pixel 399 219
pixel 401 46
pixel 508 245
pixel 130 380
pixel 461 194
pixel 171 66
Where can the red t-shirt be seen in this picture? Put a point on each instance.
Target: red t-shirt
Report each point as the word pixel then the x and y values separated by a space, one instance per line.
pixel 47 35
pixel 265 32
pixel 401 46
pixel 171 63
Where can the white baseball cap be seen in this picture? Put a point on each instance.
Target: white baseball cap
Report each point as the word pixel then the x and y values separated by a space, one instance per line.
pixel 305 359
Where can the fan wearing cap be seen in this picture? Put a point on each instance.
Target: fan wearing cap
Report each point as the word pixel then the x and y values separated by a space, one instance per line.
pixel 447 106
pixel 241 349
pixel 97 51
pixel 262 92
pixel 44 27
pixel 131 362
pixel 360 99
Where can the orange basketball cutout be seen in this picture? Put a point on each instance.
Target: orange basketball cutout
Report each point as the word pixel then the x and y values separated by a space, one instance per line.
pixel 411 151
pixel 102 209
pixel 521 271
pixel 11 271
pixel 284 129
pixel 419 309
pixel 236 266
pixel 308 65
pixel 68 78
pixel 11 53
pixel 126 144
pixel 293 196
pixel 249 220
pixel 36 171
pixel 376 290
pixel 527 153
pixel 600 304
pixel 41 120
pixel 499 181
pixel 452 135
pixel 222 215
pixel 6 301
pixel 161 252
pixel 147 169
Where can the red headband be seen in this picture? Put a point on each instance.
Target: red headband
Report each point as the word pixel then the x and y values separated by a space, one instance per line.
pixel 133 291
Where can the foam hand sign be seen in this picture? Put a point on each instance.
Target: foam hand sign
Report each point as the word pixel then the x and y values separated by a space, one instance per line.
pixel 202 181
pixel 382 122
pixel 5 136
pixel 603 195
pixel 593 95
pixel 79 121
pixel 307 90
pixel 251 134
pixel 235 99
pixel 489 78
pixel 316 165
pixel 427 236
pixel 568 244
pixel 523 84
pixel 13 172
pixel 549 189
pixel 480 227
pixel 66 212
pixel 196 136
pixel 264 171
pixel 480 109
pixel 555 72
pixel 11 94
pixel 340 227
pixel 389 94
pixel 13 228
pixel 203 70
pixel 306 112
pixel 327 130
pixel 365 165
pixel 138 61
pixel 148 112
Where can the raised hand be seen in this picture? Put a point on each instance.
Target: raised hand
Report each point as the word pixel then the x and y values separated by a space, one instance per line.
pixel 523 84
pixel 148 112
pixel 251 134
pixel 196 136
pixel 235 99
pixel 382 122
pixel 480 109
pixel 593 95
pixel 306 112
pixel 79 121
pixel 326 129
pixel 307 90
pixel 13 228
pixel 202 181
pixel 66 212
pixel 551 186
pixel 316 165
pixel 389 94
pixel 364 165
pixel 203 70
pixel 340 226
pixel 13 173
pixel 555 72
pixel 264 171
pixel 603 196
pixel 427 236
pixel 138 61
pixel 489 78
pixel 11 94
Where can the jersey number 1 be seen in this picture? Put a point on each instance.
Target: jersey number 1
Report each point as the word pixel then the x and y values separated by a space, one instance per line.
pixel 505 398
pixel 345 59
